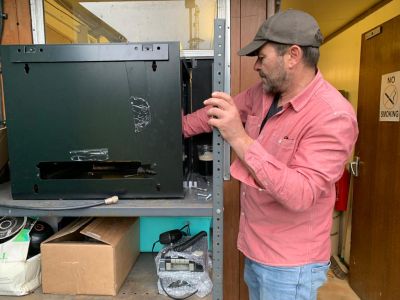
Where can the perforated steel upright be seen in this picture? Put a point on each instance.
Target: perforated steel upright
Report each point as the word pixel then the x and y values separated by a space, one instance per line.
pixel 218 151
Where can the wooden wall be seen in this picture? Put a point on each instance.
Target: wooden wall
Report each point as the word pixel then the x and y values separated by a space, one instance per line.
pixel 17 27
pixel 246 17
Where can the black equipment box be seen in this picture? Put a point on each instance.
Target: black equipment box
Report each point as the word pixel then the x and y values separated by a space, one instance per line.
pixel 94 120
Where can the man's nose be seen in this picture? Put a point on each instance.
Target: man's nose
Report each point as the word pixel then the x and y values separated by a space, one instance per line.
pixel 257 65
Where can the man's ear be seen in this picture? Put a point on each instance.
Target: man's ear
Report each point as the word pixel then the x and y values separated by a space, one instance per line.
pixel 295 55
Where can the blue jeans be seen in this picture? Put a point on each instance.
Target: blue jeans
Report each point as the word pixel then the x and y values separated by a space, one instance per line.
pixel 284 283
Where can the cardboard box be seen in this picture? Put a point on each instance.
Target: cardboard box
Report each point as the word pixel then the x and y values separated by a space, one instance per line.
pixel 90 256
pixel 3 147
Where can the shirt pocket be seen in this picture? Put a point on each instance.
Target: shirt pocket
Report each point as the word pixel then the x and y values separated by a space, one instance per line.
pixel 281 146
pixel 252 126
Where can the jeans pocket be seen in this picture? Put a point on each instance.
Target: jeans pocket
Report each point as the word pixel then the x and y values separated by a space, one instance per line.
pixel 318 275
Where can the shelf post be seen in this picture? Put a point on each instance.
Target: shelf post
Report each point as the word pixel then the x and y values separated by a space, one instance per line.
pixel 218 158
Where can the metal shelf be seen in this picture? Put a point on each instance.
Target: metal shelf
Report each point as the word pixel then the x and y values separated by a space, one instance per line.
pixel 141 284
pixel 191 206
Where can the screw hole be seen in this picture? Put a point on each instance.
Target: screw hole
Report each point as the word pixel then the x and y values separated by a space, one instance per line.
pixel 26 68
pixel 154 66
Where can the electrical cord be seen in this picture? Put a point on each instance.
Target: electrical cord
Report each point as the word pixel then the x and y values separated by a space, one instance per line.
pixel 187 231
pixel 152 248
pixel 186 244
pixel 173 297
pixel 108 201
pixel 187 226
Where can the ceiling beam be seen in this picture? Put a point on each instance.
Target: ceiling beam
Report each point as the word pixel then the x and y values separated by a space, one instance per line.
pixel 357 19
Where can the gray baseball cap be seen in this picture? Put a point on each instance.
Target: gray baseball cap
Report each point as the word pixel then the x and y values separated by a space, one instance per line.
pixel 291 27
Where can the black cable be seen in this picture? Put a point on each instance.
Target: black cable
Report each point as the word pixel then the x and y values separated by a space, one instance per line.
pixel 87 205
pixel 175 298
pixel 186 244
pixel 187 231
pixel 184 227
pixel 51 208
pixel 152 248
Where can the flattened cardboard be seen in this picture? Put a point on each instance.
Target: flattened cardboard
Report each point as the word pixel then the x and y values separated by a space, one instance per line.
pixel 73 264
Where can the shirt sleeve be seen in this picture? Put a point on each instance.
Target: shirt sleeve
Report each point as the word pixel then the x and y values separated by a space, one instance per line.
pixel 316 165
pixel 196 123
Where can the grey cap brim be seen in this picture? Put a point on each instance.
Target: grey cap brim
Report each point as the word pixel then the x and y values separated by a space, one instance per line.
pixel 250 49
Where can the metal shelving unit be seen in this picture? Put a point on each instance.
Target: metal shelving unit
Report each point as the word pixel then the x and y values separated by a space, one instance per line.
pixel 139 285
pixel 189 206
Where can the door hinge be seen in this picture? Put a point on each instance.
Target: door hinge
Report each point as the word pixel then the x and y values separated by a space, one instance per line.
pixel 373 32
pixel 355 166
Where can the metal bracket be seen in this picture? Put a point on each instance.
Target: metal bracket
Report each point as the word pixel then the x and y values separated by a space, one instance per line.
pixel 355 166
pixel 84 52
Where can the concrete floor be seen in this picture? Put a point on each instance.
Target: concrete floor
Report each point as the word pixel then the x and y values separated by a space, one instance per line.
pixel 336 289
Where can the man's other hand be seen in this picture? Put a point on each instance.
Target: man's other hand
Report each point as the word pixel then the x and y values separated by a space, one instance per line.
pixel 224 115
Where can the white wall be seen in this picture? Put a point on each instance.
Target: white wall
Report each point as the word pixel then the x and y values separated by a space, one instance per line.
pixel 149 21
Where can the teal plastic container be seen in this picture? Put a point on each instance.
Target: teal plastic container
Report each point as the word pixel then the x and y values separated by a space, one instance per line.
pixel 152 227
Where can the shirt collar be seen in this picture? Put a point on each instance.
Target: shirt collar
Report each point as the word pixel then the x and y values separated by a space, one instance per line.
pixel 299 101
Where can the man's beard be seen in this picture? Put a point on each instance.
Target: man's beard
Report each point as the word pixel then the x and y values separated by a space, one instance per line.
pixel 274 83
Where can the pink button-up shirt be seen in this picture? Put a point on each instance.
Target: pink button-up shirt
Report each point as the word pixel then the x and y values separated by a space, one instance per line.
pixel 286 212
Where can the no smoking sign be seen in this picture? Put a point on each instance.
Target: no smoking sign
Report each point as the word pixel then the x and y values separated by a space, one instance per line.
pixel 389 102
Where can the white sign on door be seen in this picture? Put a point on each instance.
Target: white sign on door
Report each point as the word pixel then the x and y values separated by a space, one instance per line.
pixel 390 103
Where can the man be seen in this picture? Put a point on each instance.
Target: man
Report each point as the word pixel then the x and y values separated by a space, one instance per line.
pixel 299 132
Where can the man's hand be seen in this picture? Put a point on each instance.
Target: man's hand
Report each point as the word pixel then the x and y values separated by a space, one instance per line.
pixel 224 115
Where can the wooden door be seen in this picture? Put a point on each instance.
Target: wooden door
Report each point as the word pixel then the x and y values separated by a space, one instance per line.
pixel 375 242
pixel 246 18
